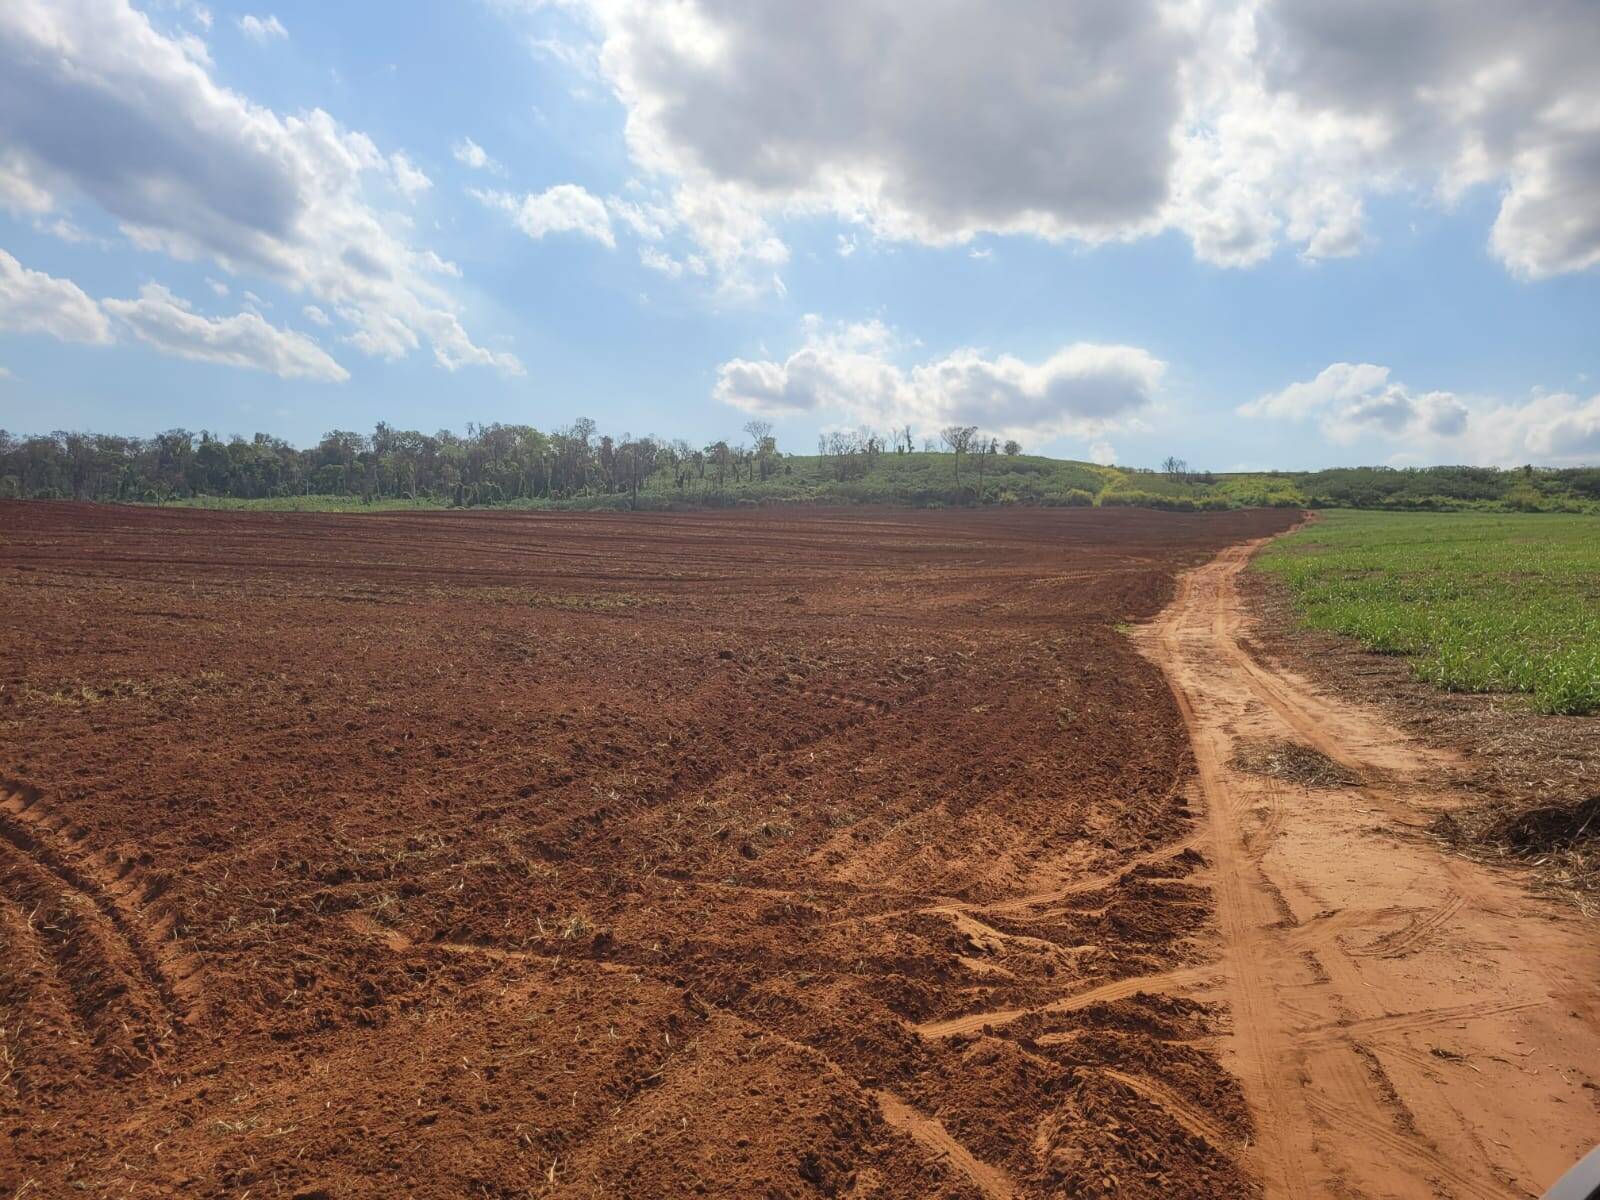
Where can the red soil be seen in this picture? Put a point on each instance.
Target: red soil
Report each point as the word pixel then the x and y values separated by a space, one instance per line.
pixel 498 855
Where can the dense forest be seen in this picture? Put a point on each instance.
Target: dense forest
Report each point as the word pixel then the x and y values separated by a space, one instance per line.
pixel 579 467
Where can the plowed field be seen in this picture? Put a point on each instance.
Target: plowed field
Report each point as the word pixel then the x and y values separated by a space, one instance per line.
pixel 744 855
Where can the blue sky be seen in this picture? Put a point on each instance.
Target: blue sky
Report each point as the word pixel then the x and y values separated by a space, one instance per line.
pixel 1254 233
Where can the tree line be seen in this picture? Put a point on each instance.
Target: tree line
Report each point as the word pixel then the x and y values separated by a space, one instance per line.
pixel 489 464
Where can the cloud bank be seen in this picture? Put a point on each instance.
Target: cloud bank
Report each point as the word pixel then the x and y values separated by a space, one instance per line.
pixel 34 302
pixel 1243 124
pixel 849 373
pixel 1352 401
pixel 96 105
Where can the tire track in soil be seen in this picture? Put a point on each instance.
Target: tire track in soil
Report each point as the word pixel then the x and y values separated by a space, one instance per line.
pixel 1342 1031
pixel 123 892
pixel 1335 1114
pixel 1414 934
pixel 1185 1112
pixel 109 1000
pixel 992 1182
pixel 38 1005
pixel 931 1134
pixel 1119 989
pixel 128 987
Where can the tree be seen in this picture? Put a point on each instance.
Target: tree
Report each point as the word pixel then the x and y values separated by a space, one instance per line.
pixel 1013 448
pixel 957 438
pixel 762 444
pixel 721 457
pixel 986 449
pixel 1175 469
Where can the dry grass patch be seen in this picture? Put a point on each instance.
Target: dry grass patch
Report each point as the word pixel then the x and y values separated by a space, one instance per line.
pixel 1291 762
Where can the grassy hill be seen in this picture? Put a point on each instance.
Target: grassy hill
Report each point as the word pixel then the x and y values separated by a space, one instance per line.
pixel 929 479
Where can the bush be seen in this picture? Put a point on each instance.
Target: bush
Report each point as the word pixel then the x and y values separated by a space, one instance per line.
pixel 1071 498
pixel 1524 498
pixel 1126 499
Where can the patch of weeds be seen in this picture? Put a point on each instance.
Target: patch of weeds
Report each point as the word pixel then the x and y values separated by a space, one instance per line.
pixel 1292 762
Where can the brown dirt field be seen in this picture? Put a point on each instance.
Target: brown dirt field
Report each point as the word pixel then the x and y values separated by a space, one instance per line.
pixel 747 855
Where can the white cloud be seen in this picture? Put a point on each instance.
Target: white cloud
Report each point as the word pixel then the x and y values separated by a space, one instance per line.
pixel 408 177
pixel 316 316
pixel 1352 402
pixel 1336 385
pixel 657 261
pixel 262 29
pixel 1037 116
pixel 246 340
pixel 1103 453
pixel 1445 94
pixel 34 302
pixel 95 101
pixel 469 154
pixel 565 208
pixel 217 286
pixel 1551 427
pixel 850 372
pixel 648 220
pixel 1244 124
pixel 68 232
pixel 20 193
pixel 1355 400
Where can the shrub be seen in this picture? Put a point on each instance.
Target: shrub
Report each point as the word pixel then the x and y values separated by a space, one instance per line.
pixel 1524 498
pixel 1071 498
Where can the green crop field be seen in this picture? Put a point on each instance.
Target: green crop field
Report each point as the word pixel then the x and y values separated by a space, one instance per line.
pixel 1483 603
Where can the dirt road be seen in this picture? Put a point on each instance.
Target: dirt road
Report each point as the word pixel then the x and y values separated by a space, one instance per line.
pixel 1405 1023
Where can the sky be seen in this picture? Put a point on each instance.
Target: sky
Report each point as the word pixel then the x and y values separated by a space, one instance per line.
pixel 1248 233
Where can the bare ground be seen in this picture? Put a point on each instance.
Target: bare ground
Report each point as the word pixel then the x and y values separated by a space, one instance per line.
pixel 1405 1022
pixel 777 855
pixel 494 855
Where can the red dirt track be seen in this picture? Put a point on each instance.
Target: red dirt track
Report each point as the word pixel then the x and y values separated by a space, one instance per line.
pixel 501 855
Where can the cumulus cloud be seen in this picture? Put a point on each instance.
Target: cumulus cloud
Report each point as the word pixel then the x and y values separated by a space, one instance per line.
pixel 1054 118
pixel 95 102
pixel 408 177
pixel 1352 402
pixel 20 193
pixel 1556 427
pixel 316 316
pixel 262 29
pixel 565 208
pixel 469 154
pixel 34 302
pixel 1461 92
pixel 1245 124
pixel 246 340
pixel 851 372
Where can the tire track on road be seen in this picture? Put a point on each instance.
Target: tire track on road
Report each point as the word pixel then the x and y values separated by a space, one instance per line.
pixel 1331 1112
